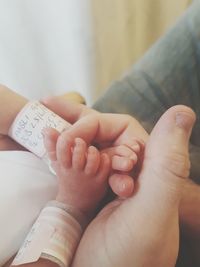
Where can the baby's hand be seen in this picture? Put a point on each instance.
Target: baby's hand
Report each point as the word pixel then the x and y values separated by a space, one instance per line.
pixel 82 171
pixel 124 159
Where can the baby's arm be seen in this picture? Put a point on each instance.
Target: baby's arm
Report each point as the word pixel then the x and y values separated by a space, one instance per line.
pixel 10 105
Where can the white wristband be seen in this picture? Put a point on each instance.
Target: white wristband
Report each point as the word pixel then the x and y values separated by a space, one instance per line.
pixel 29 123
pixel 54 236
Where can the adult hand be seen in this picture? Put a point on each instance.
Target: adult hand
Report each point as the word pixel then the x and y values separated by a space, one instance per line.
pixel 144 229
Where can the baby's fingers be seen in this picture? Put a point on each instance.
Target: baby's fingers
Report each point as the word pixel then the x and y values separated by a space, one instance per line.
pixel 122 157
pixel 123 164
pixel 122 151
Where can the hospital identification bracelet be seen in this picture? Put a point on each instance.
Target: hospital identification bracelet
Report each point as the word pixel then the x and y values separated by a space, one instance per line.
pixel 54 236
pixel 29 123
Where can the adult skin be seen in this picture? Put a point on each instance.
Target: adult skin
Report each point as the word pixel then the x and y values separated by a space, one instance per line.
pixel 189 212
pixel 189 209
pixel 167 75
pixel 166 149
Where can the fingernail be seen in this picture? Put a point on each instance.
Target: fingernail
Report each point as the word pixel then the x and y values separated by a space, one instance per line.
pixel 185 120
pixel 122 187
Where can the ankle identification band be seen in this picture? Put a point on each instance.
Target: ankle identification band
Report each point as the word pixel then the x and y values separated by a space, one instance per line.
pixel 29 123
pixel 54 236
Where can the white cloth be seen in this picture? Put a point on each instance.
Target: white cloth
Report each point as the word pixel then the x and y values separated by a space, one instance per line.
pixel 26 186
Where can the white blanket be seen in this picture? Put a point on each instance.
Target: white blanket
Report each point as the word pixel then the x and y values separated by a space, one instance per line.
pixel 26 186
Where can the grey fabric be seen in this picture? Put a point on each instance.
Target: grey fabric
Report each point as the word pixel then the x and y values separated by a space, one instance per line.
pixel 167 75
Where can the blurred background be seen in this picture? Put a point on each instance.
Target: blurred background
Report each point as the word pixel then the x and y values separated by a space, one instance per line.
pixel 125 29
pixel 53 46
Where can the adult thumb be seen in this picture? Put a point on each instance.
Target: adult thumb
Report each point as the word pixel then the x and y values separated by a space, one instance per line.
pixel 166 160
